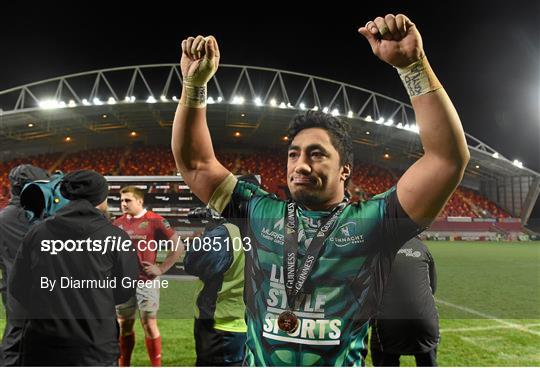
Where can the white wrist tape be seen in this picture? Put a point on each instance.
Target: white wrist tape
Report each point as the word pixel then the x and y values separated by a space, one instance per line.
pixel 195 96
pixel 418 78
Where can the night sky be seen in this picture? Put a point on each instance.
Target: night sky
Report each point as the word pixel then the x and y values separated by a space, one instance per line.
pixel 486 53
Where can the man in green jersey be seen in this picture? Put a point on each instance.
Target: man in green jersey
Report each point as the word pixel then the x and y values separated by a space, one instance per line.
pixel 318 264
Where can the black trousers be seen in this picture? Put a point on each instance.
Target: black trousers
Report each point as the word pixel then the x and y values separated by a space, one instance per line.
pixel 217 348
pixel 11 343
pixel 381 359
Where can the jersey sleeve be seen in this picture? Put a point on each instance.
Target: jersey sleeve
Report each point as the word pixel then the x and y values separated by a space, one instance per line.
pixel 206 264
pixel 232 197
pixel 163 228
pixel 396 226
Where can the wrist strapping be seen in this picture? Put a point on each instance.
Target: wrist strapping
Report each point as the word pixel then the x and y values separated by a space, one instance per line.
pixel 195 96
pixel 418 78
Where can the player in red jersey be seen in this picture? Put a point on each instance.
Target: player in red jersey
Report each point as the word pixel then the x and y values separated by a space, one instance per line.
pixel 146 228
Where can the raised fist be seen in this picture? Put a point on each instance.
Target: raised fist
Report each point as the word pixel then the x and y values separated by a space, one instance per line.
pixel 200 59
pixel 394 39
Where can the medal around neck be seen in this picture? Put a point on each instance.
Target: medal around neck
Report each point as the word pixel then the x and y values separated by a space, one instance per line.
pixel 288 321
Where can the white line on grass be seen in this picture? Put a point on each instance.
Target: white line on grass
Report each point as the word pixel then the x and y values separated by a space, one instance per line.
pixel 483 315
pixel 485 328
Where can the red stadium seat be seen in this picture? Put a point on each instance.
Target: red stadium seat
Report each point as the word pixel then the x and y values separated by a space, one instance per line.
pixel 367 179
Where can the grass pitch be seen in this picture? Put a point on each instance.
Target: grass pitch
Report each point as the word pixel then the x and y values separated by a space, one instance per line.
pixel 488 299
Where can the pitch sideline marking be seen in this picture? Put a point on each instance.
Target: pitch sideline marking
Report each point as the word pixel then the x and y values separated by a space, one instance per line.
pixel 487 316
pixel 485 328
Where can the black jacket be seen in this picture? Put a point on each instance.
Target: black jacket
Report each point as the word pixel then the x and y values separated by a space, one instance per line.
pixel 71 326
pixel 407 322
pixel 13 227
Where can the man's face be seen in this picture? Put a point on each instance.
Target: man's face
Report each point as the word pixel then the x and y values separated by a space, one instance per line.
pixel 314 176
pixel 130 204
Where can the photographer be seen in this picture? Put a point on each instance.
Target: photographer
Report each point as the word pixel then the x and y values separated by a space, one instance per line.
pixel 13 227
pixel 67 325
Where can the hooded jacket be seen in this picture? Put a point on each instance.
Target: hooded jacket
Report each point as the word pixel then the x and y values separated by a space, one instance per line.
pixel 13 227
pixel 66 324
pixel 13 222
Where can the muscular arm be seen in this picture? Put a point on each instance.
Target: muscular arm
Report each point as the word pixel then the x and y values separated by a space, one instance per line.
pixel 427 185
pixel 191 142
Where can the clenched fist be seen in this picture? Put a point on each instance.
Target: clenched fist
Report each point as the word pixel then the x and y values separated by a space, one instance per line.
pixel 394 39
pixel 200 59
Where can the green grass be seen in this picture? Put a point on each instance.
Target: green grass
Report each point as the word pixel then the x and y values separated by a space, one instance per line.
pixel 500 280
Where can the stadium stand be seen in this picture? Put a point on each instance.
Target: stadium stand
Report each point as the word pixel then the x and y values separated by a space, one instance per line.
pixel 367 179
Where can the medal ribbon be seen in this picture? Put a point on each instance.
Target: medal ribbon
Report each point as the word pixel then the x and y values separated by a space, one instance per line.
pixel 295 279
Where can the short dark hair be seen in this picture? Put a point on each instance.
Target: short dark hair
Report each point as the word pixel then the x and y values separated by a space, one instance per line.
pixel 338 130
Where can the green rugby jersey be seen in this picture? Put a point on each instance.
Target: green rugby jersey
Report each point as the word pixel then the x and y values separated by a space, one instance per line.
pixel 341 293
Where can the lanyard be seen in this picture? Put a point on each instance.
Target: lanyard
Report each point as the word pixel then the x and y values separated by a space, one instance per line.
pixel 295 279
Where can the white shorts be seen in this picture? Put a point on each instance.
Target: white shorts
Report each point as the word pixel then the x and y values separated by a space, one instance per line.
pixel 146 299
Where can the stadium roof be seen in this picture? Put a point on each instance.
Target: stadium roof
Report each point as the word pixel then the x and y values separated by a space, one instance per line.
pixel 251 103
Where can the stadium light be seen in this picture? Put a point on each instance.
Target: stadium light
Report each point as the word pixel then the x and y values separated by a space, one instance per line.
pixel 85 102
pixel 163 98
pixel 325 110
pixel 368 133
pixel 72 103
pixel 97 101
pixel 477 167
pixel 273 102
pixel 389 122
pixel 48 104
pixel 414 129
pixel 132 99
pixel 315 108
pixel 237 100
pixel 495 155
pixel 282 105
pixel 258 101
pixel 174 98
pixel 111 101
pixel 210 100
pixel 219 99
pixel 302 106
pixel 380 120
pixel 368 118
pixel 151 99
pixel 518 164
pixel 399 126
pixel 61 104
pixel 350 114
pixel 30 125
pixel 335 112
